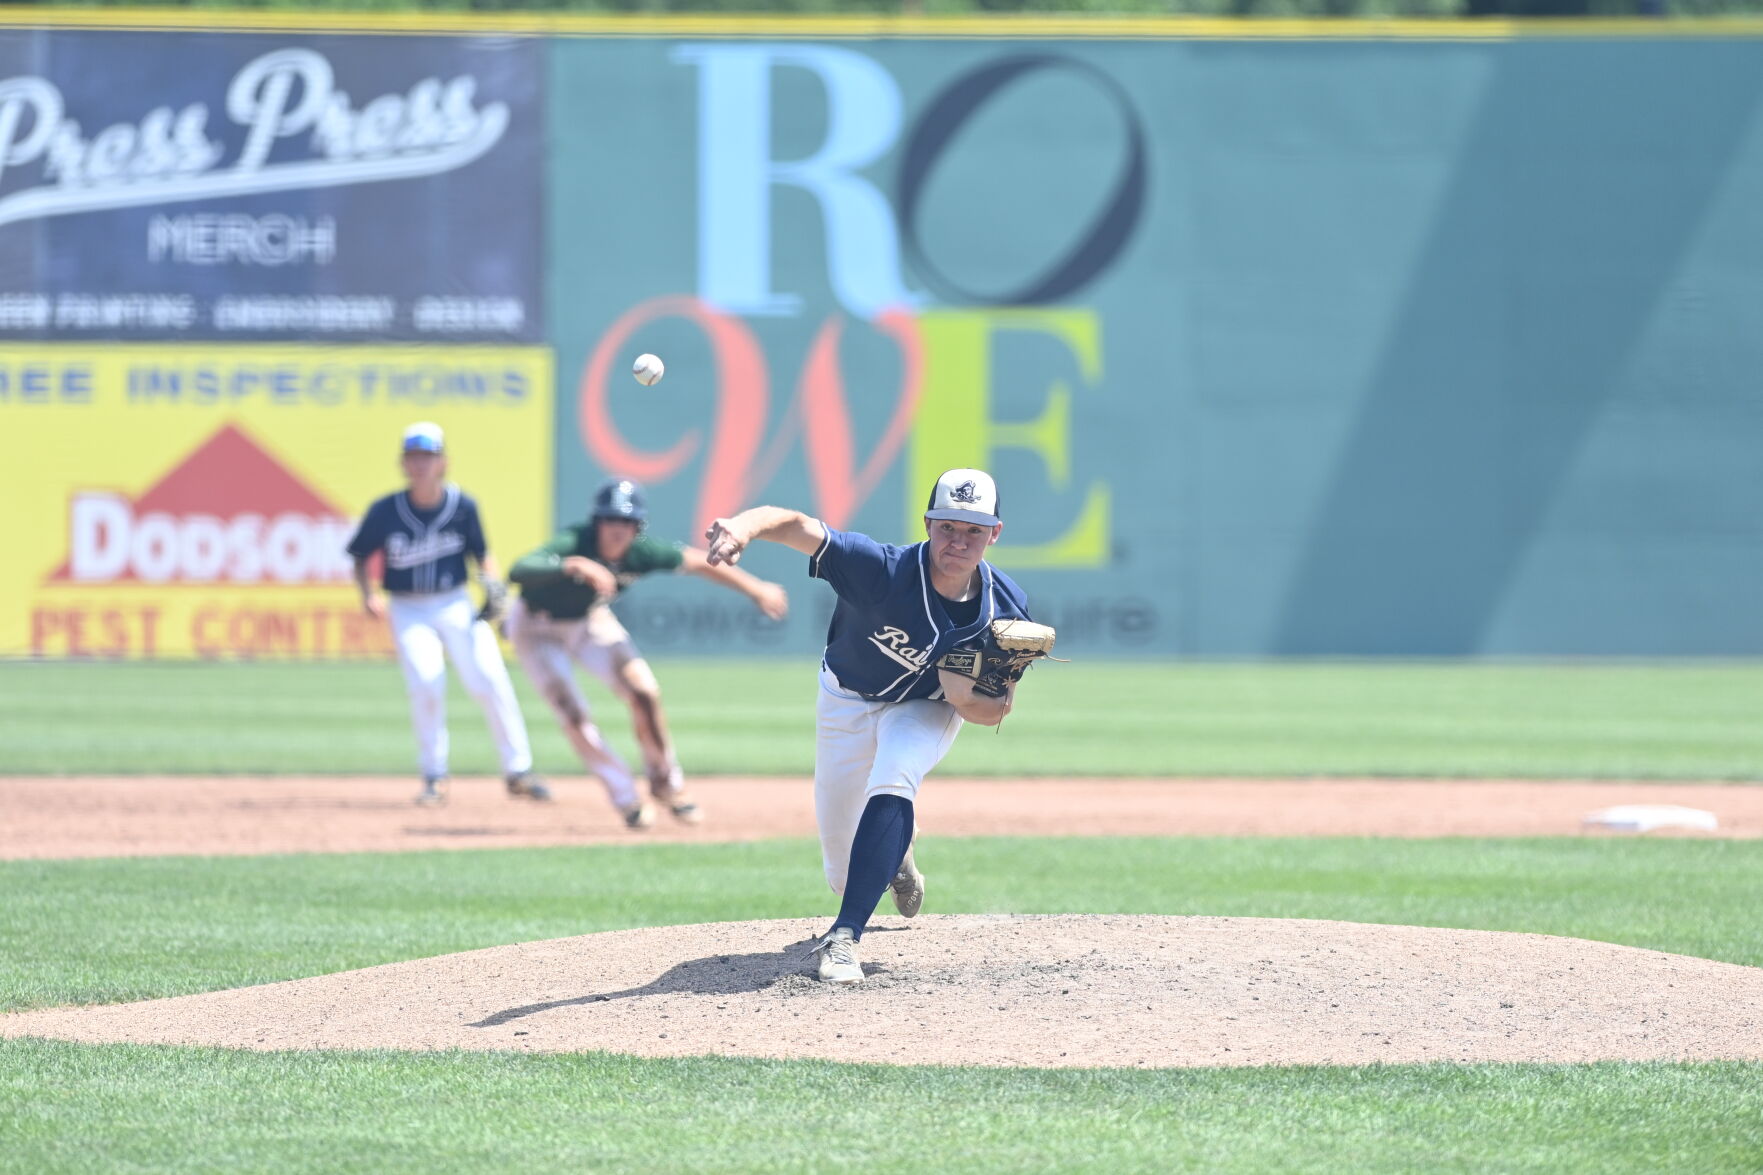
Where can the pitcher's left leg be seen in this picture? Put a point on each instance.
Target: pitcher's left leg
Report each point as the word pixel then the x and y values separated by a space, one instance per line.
pixel 911 739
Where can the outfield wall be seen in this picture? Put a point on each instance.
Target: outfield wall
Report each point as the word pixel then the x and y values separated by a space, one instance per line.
pixel 1280 341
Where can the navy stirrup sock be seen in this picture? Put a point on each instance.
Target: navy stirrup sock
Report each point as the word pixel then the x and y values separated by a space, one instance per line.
pixel 883 835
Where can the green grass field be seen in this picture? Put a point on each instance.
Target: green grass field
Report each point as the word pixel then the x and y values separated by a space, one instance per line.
pixel 100 931
pixel 1591 720
pixel 112 930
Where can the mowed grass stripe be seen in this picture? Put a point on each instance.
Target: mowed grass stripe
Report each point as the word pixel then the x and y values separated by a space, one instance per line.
pixel 69 1108
pixel 105 931
pixel 1683 720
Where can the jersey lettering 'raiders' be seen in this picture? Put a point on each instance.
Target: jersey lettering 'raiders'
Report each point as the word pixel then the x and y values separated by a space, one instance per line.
pixel 890 626
pixel 425 549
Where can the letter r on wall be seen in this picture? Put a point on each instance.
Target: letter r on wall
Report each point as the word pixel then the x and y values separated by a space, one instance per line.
pixel 736 174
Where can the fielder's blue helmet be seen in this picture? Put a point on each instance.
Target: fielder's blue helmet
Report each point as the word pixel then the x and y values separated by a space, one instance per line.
pixel 620 498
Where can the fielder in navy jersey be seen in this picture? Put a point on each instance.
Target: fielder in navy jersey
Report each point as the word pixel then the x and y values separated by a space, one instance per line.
pixel 426 532
pixel 887 713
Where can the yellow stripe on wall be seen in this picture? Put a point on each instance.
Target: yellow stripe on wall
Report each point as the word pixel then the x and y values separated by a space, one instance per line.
pixel 869 27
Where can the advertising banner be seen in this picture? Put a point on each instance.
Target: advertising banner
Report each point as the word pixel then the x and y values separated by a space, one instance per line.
pixel 195 502
pixel 184 186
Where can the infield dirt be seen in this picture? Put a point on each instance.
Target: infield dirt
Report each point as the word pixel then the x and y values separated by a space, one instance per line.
pixel 49 817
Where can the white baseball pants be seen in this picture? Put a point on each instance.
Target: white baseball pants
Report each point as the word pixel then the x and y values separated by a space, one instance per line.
pixel 427 631
pixel 863 749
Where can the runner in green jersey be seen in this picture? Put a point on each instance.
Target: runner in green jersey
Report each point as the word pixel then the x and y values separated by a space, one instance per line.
pixel 564 618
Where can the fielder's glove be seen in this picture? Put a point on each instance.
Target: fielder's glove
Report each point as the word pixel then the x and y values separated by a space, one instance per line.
pixel 1005 652
pixel 495 601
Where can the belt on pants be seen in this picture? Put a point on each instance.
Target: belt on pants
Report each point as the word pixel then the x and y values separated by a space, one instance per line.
pixel 840 687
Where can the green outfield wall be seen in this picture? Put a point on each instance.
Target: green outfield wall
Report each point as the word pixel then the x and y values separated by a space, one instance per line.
pixel 1389 347
pixel 1282 339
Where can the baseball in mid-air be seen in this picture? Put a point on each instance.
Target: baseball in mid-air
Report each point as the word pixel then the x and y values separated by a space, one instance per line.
pixel 648 369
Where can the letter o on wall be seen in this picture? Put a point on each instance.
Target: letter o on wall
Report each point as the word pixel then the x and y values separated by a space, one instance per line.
pixel 949 110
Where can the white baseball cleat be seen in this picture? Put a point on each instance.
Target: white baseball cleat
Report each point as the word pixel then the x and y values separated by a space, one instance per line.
pixel 908 887
pixel 433 793
pixel 638 816
pixel 838 957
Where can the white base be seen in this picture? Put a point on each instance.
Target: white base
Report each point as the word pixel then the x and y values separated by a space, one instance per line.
pixel 1647 817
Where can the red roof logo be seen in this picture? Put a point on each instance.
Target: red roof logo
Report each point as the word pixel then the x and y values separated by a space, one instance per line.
pixel 229 513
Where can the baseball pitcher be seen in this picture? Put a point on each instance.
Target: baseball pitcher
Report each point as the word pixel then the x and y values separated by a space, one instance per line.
pixel 923 638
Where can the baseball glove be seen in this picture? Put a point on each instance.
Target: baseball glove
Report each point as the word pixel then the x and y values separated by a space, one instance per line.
pixel 1005 652
pixel 495 601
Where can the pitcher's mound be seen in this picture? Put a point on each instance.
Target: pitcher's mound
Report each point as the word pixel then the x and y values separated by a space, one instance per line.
pixel 1058 991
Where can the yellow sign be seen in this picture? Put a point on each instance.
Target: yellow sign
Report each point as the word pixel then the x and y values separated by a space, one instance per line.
pixel 194 501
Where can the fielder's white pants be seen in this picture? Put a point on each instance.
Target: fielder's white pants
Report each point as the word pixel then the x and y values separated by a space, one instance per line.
pixel 427 631
pixel 864 749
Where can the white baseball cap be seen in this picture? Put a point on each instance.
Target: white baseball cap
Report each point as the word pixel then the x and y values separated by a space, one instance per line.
pixel 423 437
pixel 965 495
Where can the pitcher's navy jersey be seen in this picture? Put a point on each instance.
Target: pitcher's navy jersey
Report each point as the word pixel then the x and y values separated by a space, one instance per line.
pixel 425 549
pixel 890 626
